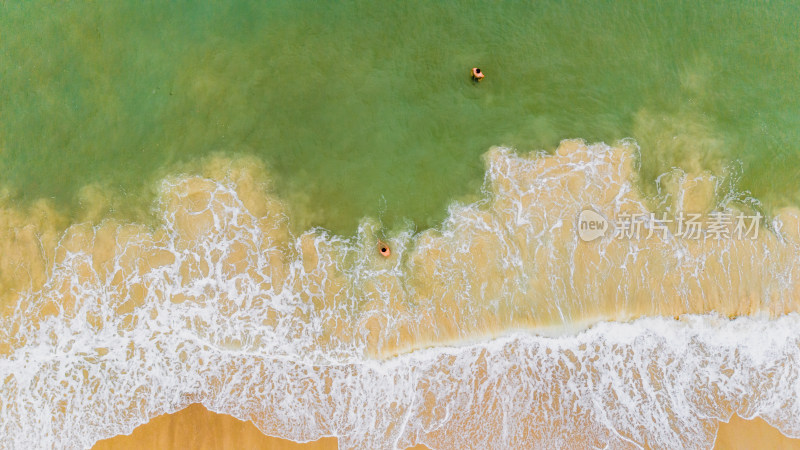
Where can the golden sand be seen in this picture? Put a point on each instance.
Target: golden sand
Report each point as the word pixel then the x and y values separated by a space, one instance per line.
pixel 198 428
pixel 741 434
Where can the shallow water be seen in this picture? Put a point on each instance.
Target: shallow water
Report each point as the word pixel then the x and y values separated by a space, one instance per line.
pixel 223 305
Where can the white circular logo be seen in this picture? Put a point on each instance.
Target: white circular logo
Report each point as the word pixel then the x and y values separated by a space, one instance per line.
pixel 591 225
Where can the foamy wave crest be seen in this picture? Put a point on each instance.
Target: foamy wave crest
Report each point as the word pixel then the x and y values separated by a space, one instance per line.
pixel 655 382
pixel 113 324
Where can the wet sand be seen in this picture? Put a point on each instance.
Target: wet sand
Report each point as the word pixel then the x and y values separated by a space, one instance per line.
pixel 198 428
pixel 748 434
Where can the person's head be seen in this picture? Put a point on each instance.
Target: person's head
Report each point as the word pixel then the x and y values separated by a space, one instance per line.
pixel 477 70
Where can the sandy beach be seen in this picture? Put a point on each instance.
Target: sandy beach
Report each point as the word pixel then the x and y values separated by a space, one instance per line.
pixel 198 428
pixel 756 433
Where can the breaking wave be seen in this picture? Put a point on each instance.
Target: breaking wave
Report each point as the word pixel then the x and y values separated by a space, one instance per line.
pixel 468 335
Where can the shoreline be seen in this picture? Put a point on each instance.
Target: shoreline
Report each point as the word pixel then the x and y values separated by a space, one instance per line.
pixel 224 303
pixel 210 430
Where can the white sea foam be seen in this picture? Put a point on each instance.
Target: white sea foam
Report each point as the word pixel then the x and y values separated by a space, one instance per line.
pixel 222 307
pixel 654 381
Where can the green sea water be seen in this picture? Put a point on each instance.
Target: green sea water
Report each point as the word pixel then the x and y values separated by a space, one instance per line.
pixel 362 108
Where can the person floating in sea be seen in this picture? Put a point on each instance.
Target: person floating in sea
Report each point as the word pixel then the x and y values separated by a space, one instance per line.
pixel 384 249
pixel 477 75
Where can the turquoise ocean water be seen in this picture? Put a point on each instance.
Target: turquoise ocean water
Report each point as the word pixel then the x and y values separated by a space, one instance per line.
pixel 366 109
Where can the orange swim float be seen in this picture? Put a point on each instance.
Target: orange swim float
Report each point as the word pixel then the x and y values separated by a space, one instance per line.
pixel 384 249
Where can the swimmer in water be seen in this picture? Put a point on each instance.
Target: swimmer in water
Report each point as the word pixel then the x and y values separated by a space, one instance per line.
pixel 384 249
pixel 477 75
